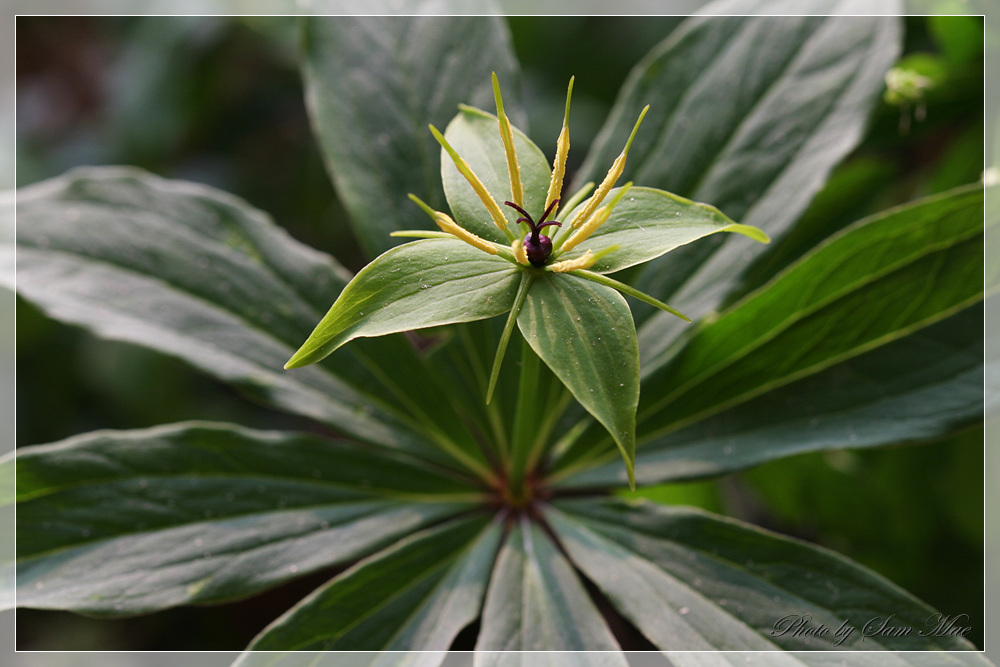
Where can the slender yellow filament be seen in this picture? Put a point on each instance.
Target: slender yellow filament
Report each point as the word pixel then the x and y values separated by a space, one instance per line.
pixel 477 185
pixel 599 218
pixel 583 233
pixel 584 261
pixel 448 225
pixel 507 136
pixel 562 151
pixel 609 181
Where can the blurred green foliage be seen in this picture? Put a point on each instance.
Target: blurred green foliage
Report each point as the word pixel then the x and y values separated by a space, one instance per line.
pixel 220 101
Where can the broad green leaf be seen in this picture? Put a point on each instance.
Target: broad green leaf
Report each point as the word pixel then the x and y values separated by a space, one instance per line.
pixel 416 596
pixel 421 284
pixel 114 523
pixel 749 114
pixel 876 282
pixel 536 602
pixel 374 83
pixel 201 275
pixel 585 335
pixel 475 134
pixel 879 398
pixel 648 223
pixel 690 580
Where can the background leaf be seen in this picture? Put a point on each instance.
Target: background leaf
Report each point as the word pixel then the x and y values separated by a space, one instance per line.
pixel 692 581
pixel 416 596
pixel 201 275
pixel 788 100
pixel 117 523
pixel 373 84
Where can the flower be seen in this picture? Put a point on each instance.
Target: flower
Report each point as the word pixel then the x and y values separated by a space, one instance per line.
pixel 553 285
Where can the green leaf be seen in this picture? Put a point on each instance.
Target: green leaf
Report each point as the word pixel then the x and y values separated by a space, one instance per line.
pixel 750 114
pixel 421 284
pixel 115 523
pixel 584 333
pixel 693 581
pixel 200 275
pixel 536 602
pixel 416 596
pixel 879 398
pixel 648 223
pixel 373 84
pixel 475 135
pixel 876 282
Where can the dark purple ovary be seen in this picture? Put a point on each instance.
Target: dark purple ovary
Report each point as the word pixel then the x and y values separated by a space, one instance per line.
pixel 537 250
pixel 537 246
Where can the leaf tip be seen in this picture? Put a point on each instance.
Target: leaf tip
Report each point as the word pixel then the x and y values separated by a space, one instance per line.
pixel 755 233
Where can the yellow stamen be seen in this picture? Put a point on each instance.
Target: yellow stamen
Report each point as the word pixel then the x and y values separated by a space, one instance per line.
pixel 449 226
pixel 507 136
pixel 446 224
pixel 609 181
pixel 599 218
pixel 477 185
pixel 583 233
pixel 519 254
pixel 562 150
pixel 584 261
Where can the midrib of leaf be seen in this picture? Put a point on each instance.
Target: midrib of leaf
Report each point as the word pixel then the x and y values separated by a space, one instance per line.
pixel 821 304
pixel 431 181
pixel 360 494
pixel 377 507
pixel 708 555
pixel 575 316
pixel 337 386
pixel 425 576
pixel 456 565
pixel 735 130
pixel 602 455
pixel 674 580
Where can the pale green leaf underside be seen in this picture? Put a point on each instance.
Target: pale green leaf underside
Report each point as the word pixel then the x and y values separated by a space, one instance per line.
pixel 536 602
pixel 584 333
pixel 416 596
pixel 475 135
pixel 648 223
pixel 693 581
pixel 134 521
pixel 421 284
pixel 198 274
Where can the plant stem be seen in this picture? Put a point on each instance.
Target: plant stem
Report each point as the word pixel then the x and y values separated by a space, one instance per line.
pixel 527 416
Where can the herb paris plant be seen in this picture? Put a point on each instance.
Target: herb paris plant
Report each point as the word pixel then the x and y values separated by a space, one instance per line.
pixel 538 279
pixel 453 521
